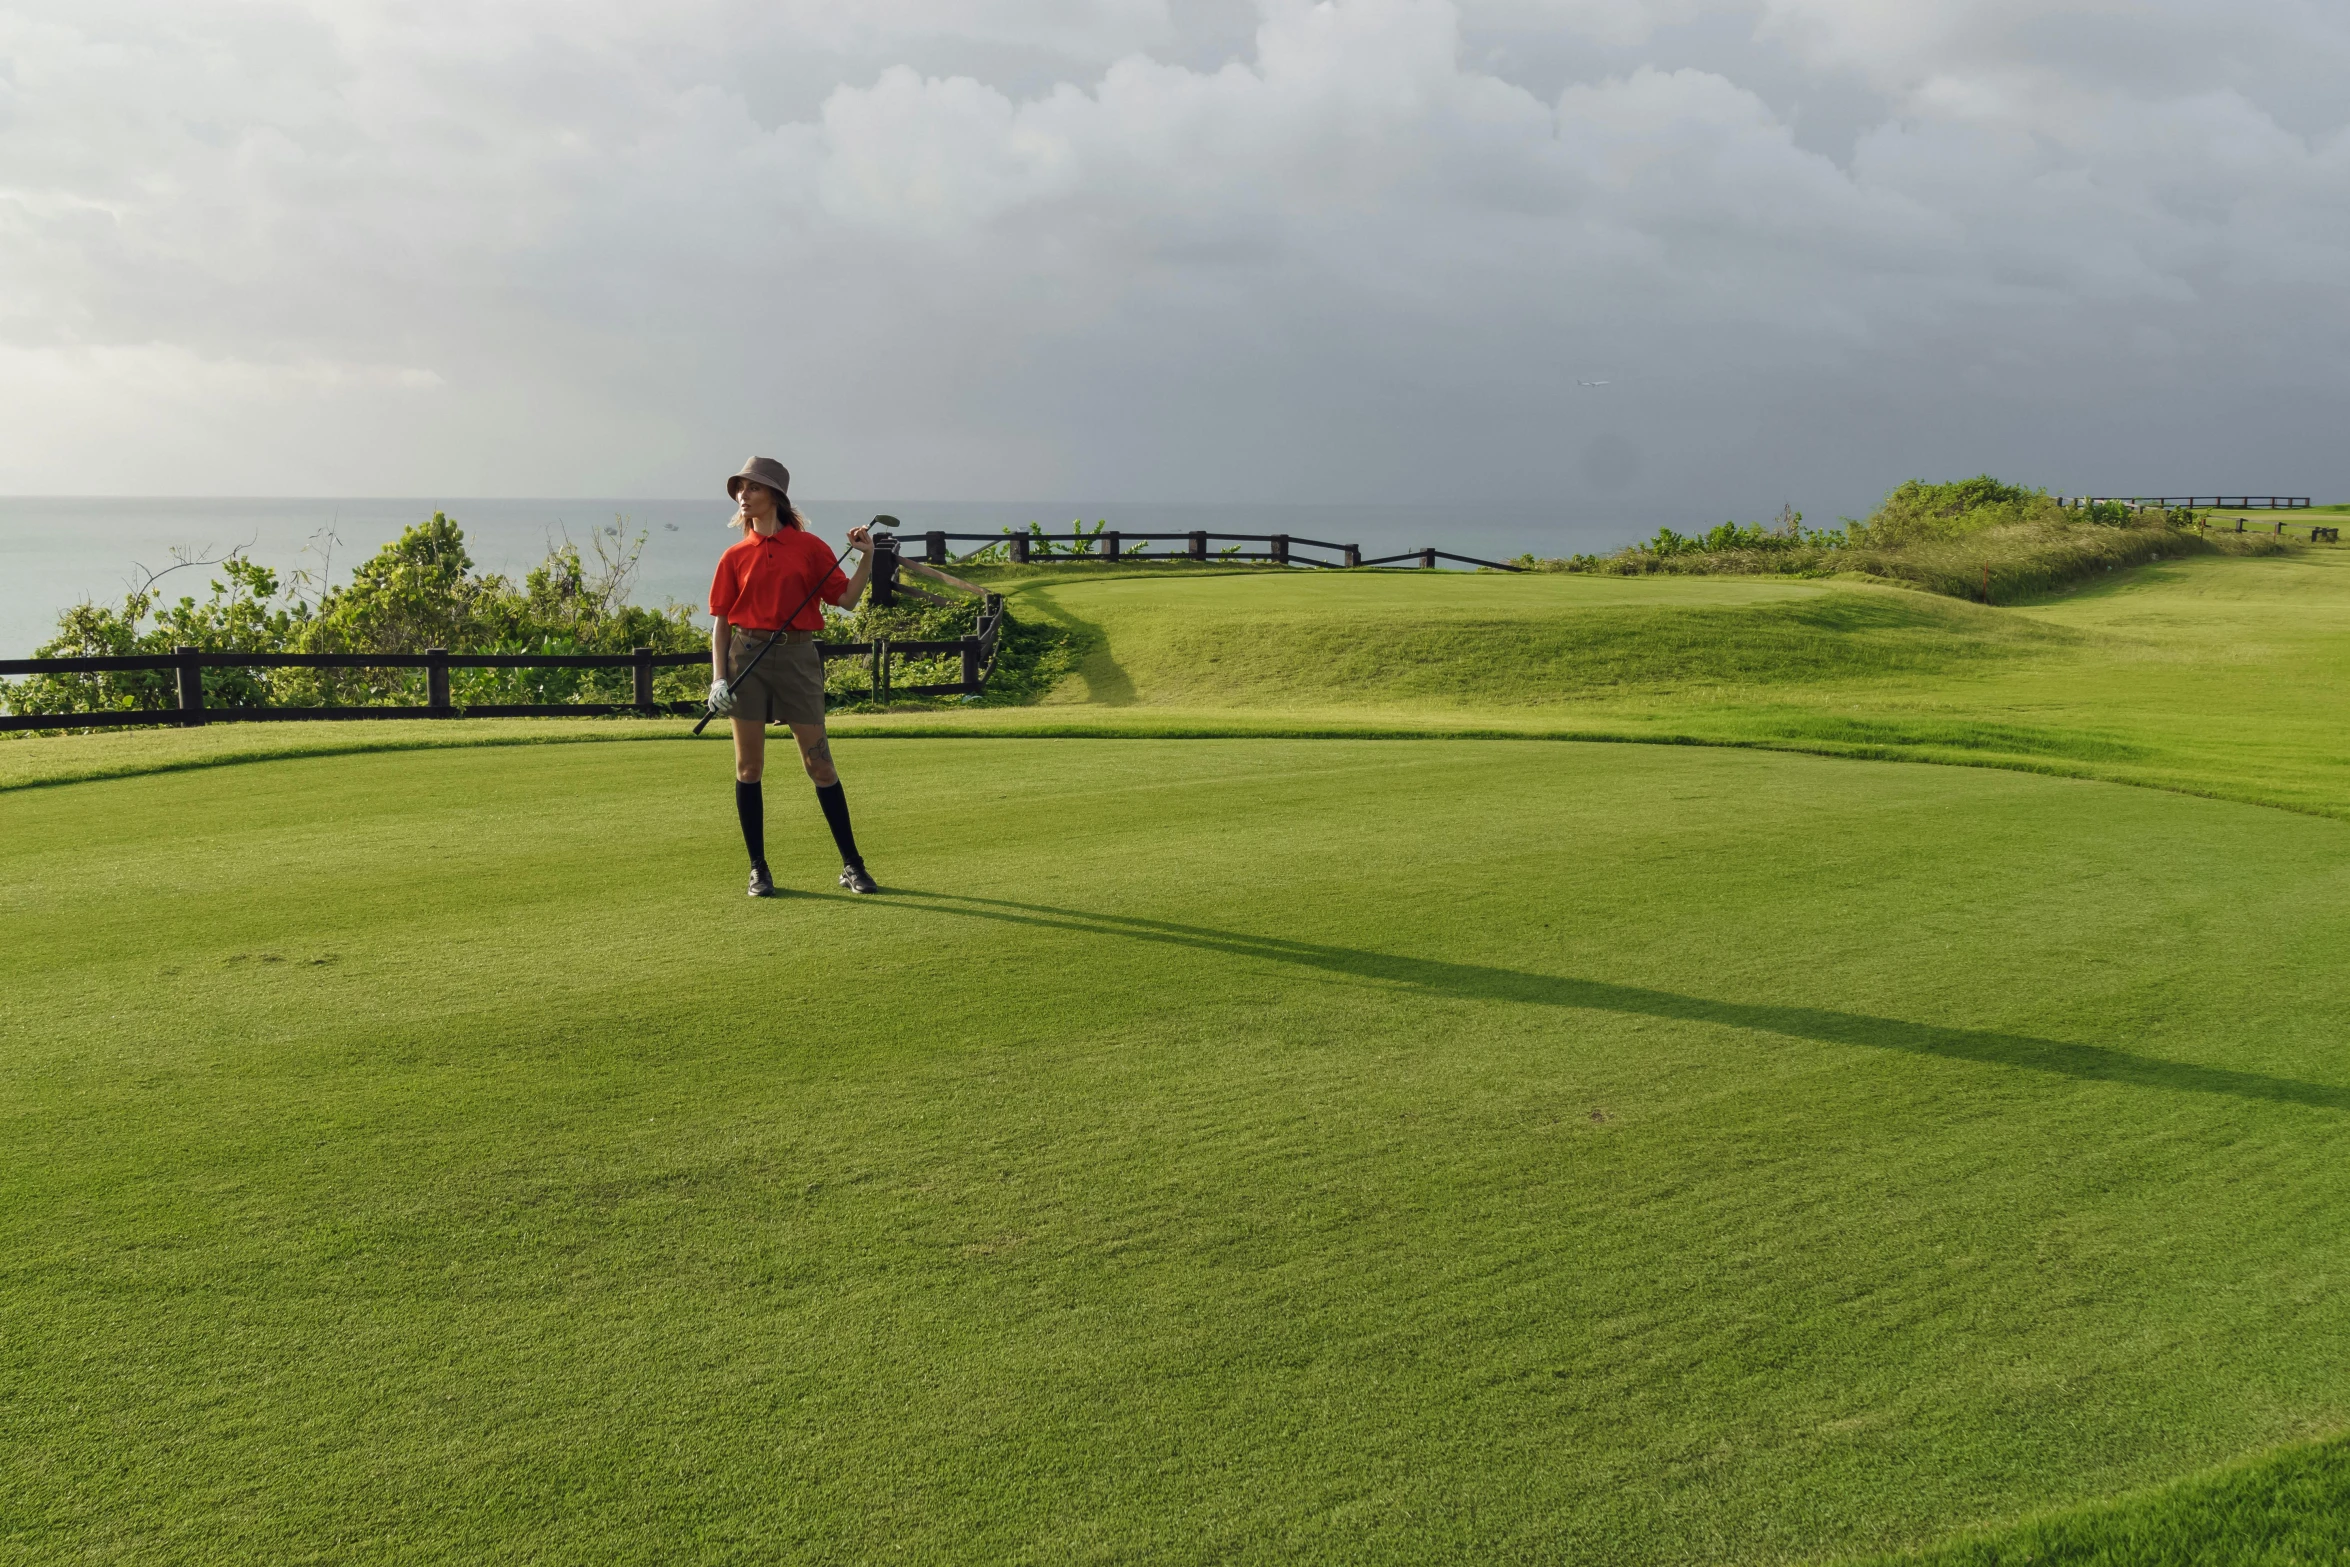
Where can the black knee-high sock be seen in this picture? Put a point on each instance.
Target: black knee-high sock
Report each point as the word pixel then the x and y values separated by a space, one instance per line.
pixel 749 805
pixel 836 816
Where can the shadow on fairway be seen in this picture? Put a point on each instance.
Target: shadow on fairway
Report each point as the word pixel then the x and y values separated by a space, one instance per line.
pixel 2093 1063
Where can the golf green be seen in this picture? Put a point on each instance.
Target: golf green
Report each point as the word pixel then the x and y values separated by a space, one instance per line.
pixel 1213 1150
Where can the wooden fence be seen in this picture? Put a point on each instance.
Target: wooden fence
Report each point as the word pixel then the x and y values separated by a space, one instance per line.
pixel 1280 549
pixel 2192 502
pixel 2319 533
pixel 976 651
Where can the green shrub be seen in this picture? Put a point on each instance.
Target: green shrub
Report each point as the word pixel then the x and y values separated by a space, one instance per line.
pixel 1917 511
pixel 1965 539
pixel 420 591
pixel 243 610
pixel 1029 659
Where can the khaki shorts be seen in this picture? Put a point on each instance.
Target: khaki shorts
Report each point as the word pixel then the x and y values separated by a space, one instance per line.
pixel 786 688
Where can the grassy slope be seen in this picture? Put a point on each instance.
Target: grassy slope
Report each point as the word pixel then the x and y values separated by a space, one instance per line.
pixel 2212 675
pixel 1688 1155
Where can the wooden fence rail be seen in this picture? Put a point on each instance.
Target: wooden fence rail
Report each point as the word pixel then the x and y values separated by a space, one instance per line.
pixel 977 653
pixel 2193 502
pixel 1427 560
pixel 1281 549
pixel 2319 533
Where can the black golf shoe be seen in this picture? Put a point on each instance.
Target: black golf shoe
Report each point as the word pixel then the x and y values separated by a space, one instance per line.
pixel 853 877
pixel 762 884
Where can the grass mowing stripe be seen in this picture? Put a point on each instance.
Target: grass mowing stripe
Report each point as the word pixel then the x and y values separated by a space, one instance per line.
pixel 2289 1508
pixel 1683 1155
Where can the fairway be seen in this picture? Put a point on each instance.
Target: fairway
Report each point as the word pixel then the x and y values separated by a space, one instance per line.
pixel 1219 1150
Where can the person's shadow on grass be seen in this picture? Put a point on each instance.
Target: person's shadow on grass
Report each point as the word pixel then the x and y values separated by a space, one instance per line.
pixel 1474 981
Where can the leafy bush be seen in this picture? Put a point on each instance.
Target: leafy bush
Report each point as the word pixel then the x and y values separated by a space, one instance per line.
pixel 1918 511
pixel 1042 548
pixel 1963 539
pixel 1029 659
pixel 909 620
pixel 240 612
pixel 418 592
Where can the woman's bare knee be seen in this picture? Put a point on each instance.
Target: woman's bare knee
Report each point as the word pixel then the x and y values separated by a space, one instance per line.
pixel 816 757
pixel 750 751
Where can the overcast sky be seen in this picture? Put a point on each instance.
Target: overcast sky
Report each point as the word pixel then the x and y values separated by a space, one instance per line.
pixel 1157 250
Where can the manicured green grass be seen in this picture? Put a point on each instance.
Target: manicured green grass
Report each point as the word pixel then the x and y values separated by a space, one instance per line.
pixel 1235 1150
pixel 36 761
pixel 2289 1508
pixel 1453 642
pixel 2212 675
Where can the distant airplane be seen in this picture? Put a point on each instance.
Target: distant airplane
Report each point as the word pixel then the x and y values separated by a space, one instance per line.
pixel 1591 383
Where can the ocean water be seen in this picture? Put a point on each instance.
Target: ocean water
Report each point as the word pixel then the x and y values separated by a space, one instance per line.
pixel 59 551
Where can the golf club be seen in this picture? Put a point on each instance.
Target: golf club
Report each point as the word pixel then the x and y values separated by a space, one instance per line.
pixel 821 578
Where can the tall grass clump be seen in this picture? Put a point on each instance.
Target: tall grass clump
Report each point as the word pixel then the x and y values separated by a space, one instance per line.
pixel 1973 538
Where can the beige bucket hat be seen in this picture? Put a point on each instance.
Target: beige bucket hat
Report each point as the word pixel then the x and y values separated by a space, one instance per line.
pixel 760 470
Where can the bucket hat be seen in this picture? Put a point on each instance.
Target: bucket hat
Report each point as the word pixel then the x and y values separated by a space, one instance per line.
pixel 760 470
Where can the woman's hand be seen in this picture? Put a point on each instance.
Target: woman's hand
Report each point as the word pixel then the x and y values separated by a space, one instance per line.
pixel 861 539
pixel 721 698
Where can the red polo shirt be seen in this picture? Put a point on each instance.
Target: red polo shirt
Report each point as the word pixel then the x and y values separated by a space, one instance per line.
pixel 760 580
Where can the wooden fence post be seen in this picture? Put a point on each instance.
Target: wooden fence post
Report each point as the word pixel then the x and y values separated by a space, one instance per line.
pixel 1199 546
pixel 934 547
pixel 1109 546
pixel 436 682
pixel 1354 554
pixel 191 686
pixel 1427 560
pixel 1019 548
pixel 971 685
pixel 644 677
pixel 1280 549
pixel 880 679
pixel 885 571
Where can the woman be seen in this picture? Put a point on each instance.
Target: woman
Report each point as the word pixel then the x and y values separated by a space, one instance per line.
pixel 768 582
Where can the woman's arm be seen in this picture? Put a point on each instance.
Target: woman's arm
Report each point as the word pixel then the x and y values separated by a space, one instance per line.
pixel 860 540
pixel 721 637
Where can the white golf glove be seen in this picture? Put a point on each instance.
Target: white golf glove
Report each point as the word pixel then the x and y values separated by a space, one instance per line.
pixel 721 698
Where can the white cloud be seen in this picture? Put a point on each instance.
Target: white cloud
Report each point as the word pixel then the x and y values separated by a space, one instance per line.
pixel 1045 247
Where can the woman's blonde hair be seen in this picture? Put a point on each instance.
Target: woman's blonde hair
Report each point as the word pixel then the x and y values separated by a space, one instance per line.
pixel 786 514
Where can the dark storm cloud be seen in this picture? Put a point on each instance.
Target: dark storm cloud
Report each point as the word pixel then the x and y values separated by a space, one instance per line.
pixel 1363 251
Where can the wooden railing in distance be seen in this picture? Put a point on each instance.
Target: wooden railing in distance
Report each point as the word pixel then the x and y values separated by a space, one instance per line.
pixel 977 652
pixel 1281 549
pixel 1427 559
pixel 2319 533
pixel 2192 502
